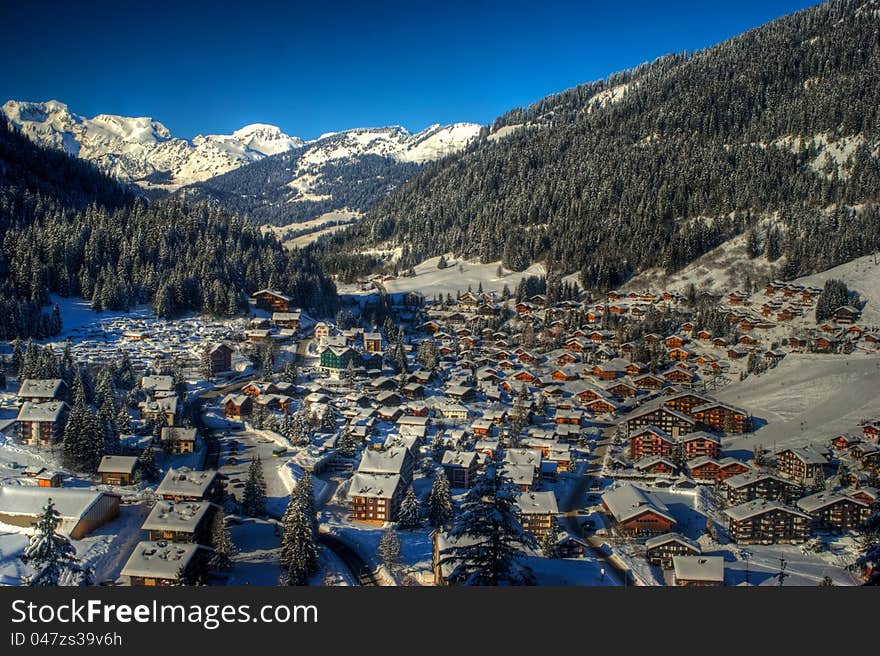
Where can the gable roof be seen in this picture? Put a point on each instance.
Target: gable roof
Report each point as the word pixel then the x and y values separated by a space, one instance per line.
pixel 627 502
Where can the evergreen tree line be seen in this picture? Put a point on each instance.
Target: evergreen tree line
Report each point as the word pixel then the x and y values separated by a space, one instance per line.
pixel 688 156
pixel 261 191
pixel 119 251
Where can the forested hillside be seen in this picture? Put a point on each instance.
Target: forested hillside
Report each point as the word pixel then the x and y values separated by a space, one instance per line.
pixel 68 229
pixel 657 165
pixel 262 191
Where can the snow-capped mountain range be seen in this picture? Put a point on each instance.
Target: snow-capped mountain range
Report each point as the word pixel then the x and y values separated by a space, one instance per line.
pixel 143 151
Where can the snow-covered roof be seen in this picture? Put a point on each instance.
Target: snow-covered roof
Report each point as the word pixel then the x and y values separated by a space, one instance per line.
pixel 531 457
pixel 171 516
pixel 748 478
pixel 459 458
pixel 379 486
pixel 70 503
pixel 185 482
pixel 40 388
pixel 389 461
pixel 117 464
pixel 628 501
pixel 179 434
pixel 159 559
pixel 660 540
pixel 821 500
pixel 46 411
pixel 519 474
pixel 699 568
pixel 158 383
pixel 758 507
pixel 538 503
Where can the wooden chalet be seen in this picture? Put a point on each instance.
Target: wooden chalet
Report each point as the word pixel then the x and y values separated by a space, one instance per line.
pixel 374 498
pixel 698 571
pixel 161 563
pixel 236 406
pixel 660 549
pixel 767 522
pixel 835 510
pixel 460 468
pixel 649 442
pixel 800 464
pixel 709 470
pixel 673 422
pixel 635 512
pixel 42 424
pixel 537 512
pixel 117 470
pixel 272 300
pixel 759 485
pixel 722 417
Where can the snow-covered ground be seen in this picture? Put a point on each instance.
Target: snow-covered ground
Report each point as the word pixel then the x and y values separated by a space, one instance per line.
pixel 105 551
pixel 807 398
pixel 862 275
pixel 723 268
pixel 430 280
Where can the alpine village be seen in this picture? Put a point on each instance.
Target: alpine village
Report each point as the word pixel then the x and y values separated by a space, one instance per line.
pixel 649 357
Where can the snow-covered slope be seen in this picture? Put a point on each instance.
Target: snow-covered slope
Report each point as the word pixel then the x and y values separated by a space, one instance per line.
pixel 395 142
pixel 142 150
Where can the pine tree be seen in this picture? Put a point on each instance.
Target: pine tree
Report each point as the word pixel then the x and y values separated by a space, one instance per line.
pixel 487 538
pixel 221 542
pixel 408 515
pixel 299 553
pixel 389 548
pixel 347 443
pixel 306 492
pixel 147 470
pixel 440 501
pixel 550 540
pixel 290 374
pixel 254 496
pixel 328 420
pixel 84 438
pixel 123 420
pixel 206 365
pixel 51 554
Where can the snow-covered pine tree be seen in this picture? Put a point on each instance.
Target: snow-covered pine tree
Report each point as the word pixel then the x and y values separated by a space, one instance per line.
pixel 550 540
pixel 253 499
pixel 305 490
pixel 487 536
pixel 206 365
pixel 409 514
pixel 51 554
pixel 290 373
pixel 221 542
pixel 328 420
pixel 439 501
pixel 84 438
pixel 299 552
pixel 389 548
pixel 146 467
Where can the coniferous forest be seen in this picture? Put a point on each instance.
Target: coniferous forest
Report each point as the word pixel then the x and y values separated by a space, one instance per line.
pixel 70 230
pixel 655 166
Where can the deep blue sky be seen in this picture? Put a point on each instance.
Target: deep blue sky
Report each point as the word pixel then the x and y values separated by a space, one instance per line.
pixel 330 65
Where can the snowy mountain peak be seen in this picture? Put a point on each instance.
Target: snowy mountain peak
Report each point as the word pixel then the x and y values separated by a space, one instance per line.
pixel 142 150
